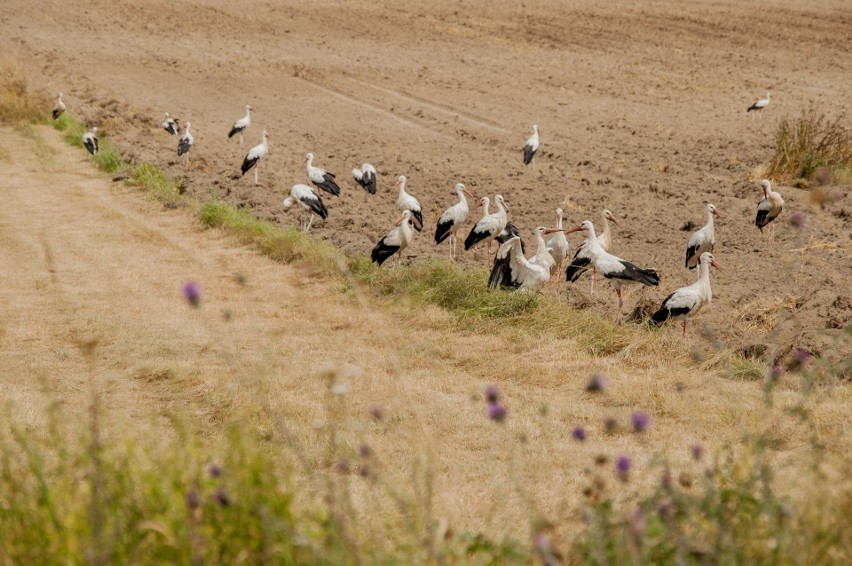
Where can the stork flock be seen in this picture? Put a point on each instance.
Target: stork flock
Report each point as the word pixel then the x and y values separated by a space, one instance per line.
pixel 510 267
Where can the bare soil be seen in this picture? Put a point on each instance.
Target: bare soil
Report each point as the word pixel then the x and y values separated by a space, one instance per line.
pixel 641 108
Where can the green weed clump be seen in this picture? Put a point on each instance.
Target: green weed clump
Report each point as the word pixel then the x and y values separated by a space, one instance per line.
pixel 281 245
pixel 154 180
pixel 813 147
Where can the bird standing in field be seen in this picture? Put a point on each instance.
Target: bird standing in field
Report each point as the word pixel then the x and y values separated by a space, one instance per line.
pixel 59 107
pixel 395 241
pixel 170 125
pixel 703 240
pixel 582 259
pixel 620 272
pixel 452 219
pixel 557 247
pixel 489 226
pixel 760 104
pixel 366 177
pixel 320 178
pixel 531 148
pixel 769 208
pixel 185 143
pixel 240 125
pixel 309 201
pixel 254 156
pixel 407 202
pixel 512 269
pixel 687 301
pixel 90 141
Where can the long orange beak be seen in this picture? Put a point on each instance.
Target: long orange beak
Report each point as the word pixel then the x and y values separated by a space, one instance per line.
pixel 398 222
pixel 478 204
pixel 717 213
pixel 552 230
pixel 576 229
pixel 468 193
pixel 504 206
pixel 614 220
pixel 715 264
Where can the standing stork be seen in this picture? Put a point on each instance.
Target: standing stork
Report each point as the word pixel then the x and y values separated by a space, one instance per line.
pixel 512 269
pixel 240 125
pixel 309 201
pixel 760 104
pixel 59 107
pixel 557 247
pixel 366 177
pixel 702 240
pixel 185 143
pixel 687 301
pixel 170 125
pixel 254 155
pixel 452 219
pixel 90 141
pixel 407 202
pixel 769 208
pixel 320 178
pixel 395 241
pixel 531 147
pixel 582 257
pixel 619 271
pixel 489 226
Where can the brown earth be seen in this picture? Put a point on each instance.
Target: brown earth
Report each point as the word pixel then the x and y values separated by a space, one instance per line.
pixel 642 110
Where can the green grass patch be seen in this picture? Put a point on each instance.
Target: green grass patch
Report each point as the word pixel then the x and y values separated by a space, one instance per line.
pixel 813 147
pixel 108 158
pixel 154 180
pixel 281 245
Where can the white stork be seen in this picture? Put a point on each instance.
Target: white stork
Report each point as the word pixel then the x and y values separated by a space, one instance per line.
pixel 395 241
pixel 702 240
pixel 59 107
pixel 309 201
pixel 254 155
pixel 452 219
pixel 582 259
pixel 512 269
pixel 407 202
pixel 489 226
pixel 185 143
pixel 619 271
pixel 687 301
pixel 769 208
pixel 557 246
pixel 240 125
pixel 531 147
pixel 170 125
pixel 90 141
pixel 320 178
pixel 366 177
pixel 760 104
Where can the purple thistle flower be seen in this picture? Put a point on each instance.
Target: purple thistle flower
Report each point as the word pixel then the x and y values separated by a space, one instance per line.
pixel 214 470
pixel 697 451
pixel 641 421
pixel 610 424
pixel 597 383
pixel 365 450
pixel 222 497
pixel 342 466
pixel 491 394
pixel 797 220
pixel 622 466
pixel 192 293
pixel 497 412
pixel 579 433
pixel 775 373
pixel 193 500
pixel 377 412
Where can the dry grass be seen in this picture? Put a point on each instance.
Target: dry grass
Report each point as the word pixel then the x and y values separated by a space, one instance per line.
pixel 763 315
pixel 813 147
pixel 17 102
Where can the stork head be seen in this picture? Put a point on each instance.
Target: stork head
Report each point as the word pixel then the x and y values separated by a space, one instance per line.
pixel 767 186
pixel 265 134
pixel 309 157
pixel 288 202
pixel 167 114
pixel 460 188
pixel 94 129
pixel 406 217
pixel 483 202
pixel 608 215
pixel 499 200
pixel 584 225
pixel 711 208
pixel 186 126
pixel 401 181
pixel 248 107
pixel 535 128
pixel 709 259
pixel 59 95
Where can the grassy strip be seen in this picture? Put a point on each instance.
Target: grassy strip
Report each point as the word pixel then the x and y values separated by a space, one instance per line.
pixel 813 147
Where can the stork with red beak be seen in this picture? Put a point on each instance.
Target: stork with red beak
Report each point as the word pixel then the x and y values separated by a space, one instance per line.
pixel 395 241
pixel 489 226
pixel 687 301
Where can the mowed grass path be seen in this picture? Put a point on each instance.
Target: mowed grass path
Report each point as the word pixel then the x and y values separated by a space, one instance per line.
pixel 92 263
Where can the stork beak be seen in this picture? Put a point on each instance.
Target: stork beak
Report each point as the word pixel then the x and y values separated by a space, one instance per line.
pixel 478 204
pixel 715 264
pixel 468 193
pixel 717 213
pixel 398 222
pixel 617 223
pixel 506 207
pixel 552 230
pixel 576 229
